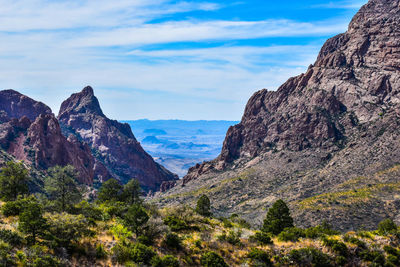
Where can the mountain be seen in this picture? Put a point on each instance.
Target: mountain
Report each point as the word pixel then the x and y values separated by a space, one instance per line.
pixel 30 132
pixel 326 141
pixel 113 144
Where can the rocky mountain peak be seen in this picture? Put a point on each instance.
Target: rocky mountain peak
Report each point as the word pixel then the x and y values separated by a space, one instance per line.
pixel 115 146
pixel 355 80
pixel 16 105
pixel 84 102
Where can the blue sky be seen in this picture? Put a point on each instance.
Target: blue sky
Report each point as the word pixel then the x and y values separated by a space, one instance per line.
pixel 161 59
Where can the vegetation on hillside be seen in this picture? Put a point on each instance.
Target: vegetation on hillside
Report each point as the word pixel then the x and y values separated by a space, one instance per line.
pixel 62 227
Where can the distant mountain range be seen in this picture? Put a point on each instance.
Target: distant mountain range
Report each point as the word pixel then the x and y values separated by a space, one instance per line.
pixel 179 144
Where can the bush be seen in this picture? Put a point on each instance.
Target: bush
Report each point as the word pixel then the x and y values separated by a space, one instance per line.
pixel 15 208
pixel 212 259
pixel 101 252
pixel 5 255
pixel 387 227
pixel 291 234
pixel 172 241
pixel 175 223
pixel 259 257
pixel 353 240
pixel 232 237
pixel 278 218
pixel 11 237
pixel 91 212
pixel 227 223
pixel 338 247
pixel 319 231
pixel 375 257
pixel 142 254
pixel 120 253
pixel 309 257
pixel 261 238
pixel 166 261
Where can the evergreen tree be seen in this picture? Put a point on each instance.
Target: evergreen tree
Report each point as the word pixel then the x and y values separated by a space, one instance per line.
pixel 135 218
pixel 278 218
pixel 204 206
pixel 31 220
pixel 13 181
pixel 131 193
pixel 111 190
pixel 61 187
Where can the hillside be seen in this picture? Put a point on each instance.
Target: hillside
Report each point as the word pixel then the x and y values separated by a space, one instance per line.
pixel 326 141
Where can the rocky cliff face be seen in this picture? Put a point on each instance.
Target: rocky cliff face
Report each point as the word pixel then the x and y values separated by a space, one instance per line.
pixel 113 143
pixel 355 80
pixel 30 132
pixel 321 137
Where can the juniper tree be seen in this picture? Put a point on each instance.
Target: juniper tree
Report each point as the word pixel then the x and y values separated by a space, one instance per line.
pixel 13 181
pixel 204 206
pixel 278 218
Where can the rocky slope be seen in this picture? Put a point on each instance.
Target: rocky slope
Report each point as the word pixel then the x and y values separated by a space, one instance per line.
pixel 113 143
pixel 318 132
pixel 30 132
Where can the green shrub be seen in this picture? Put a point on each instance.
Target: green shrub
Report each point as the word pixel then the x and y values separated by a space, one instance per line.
pixel 166 261
pixel 391 250
pixel 393 260
pixel 101 252
pixel 375 257
pixel 15 208
pixel 338 247
pixel 5 255
pixel 212 259
pixel 261 238
pixel 319 231
pixel 232 237
pixel 142 254
pixel 11 237
pixel 309 257
pixel 46 261
pixel 175 223
pixel 259 257
pixel 387 227
pixel 227 223
pixel 291 234
pixel 120 253
pixel 351 239
pixel 172 241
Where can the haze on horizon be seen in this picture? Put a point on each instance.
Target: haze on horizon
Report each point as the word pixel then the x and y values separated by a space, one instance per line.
pixel 162 59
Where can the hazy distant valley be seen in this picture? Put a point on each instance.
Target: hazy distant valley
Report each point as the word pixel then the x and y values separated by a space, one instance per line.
pixel 178 144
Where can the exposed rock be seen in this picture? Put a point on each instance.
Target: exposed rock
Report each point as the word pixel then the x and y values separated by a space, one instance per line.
pixel 114 144
pixel 326 141
pixel 16 105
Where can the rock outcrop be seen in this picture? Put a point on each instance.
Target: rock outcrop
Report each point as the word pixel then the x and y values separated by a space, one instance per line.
pixel 355 80
pixel 115 147
pixel 326 141
pixel 30 132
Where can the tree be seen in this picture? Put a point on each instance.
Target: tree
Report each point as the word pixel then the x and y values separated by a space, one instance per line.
pixel 110 191
pixel 135 218
pixel 212 259
pixel 66 228
pixel 387 226
pixel 131 192
pixel 61 187
pixel 31 220
pixel 13 181
pixel 204 206
pixel 278 218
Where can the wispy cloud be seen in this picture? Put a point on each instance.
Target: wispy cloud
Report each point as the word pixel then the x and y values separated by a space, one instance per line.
pixel 341 5
pixel 49 49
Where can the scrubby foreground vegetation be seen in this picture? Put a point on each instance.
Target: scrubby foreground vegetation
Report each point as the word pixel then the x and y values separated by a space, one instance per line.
pixel 66 225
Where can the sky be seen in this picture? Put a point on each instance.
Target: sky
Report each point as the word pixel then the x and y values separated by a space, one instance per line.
pixel 162 59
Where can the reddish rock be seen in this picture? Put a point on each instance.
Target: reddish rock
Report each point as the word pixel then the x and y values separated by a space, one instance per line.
pixel 114 144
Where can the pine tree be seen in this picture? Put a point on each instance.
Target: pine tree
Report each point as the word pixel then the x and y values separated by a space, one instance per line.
pixel 31 220
pixel 13 181
pixel 62 188
pixel 204 206
pixel 131 193
pixel 110 191
pixel 278 218
pixel 135 218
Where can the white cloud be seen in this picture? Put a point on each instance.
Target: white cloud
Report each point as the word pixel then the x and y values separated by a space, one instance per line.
pixel 342 4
